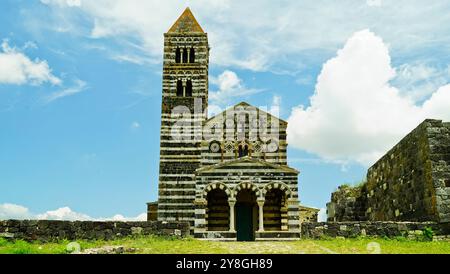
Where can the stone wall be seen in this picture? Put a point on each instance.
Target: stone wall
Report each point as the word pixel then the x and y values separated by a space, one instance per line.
pixel 308 214
pixel 152 211
pixel 347 204
pixel 410 183
pixel 46 231
pixel 412 230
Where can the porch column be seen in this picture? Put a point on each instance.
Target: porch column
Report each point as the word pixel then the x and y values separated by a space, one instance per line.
pixel 232 203
pixel 261 214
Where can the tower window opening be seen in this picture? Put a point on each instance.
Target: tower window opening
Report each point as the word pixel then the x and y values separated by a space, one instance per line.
pixel 178 56
pixel 243 151
pixel 189 88
pixel 179 88
pixel 192 56
pixel 185 55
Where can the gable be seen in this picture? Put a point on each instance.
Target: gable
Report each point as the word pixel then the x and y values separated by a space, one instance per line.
pixel 243 106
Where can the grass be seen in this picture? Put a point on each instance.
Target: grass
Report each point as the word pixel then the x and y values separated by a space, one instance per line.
pixel 162 245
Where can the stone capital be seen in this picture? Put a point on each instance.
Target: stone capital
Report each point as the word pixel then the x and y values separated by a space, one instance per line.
pixel 201 202
pixel 232 201
pixel 261 201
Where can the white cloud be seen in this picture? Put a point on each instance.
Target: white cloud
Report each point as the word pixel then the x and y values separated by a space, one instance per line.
pixel 419 80
pixel 64 213
pixel 12 211
pixel 135 125
pixel 322 215
pixel 355 113
pixel 62 3
pixel 78 87
pixel 374 3
pixel 17 212
pixel 140 217
pixel 244 34
pixel 229 88
pixel 18 69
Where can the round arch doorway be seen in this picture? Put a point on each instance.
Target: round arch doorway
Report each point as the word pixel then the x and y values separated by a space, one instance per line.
pixel 246 215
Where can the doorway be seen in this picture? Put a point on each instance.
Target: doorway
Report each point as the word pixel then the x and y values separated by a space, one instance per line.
pixel 246 215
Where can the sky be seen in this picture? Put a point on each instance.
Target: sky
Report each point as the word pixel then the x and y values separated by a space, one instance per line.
pixel 80 91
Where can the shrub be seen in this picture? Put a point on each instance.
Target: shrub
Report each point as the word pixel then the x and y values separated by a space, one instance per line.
pixel 22 247
pixel 3 242
pixel 428 233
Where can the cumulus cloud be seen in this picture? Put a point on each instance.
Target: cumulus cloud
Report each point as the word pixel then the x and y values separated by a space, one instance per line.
pixel 18 212
pixel 64 213
pixel 12 211
pixel 355 113
pixel 18 69
pixel 230 87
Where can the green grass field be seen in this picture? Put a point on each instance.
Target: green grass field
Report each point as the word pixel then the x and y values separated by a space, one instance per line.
pixel 160 245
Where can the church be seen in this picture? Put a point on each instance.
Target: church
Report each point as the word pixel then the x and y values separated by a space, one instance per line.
pixel 226 175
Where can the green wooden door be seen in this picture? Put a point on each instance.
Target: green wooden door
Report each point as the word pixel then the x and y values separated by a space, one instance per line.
pixel 244 223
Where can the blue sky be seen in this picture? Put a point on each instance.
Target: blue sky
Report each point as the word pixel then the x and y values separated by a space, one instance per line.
pixel 80 91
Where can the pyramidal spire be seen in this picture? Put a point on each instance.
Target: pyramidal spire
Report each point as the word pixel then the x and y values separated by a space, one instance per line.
pixel 186 23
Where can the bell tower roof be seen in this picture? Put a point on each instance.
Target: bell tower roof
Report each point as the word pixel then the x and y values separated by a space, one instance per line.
pixel 186 23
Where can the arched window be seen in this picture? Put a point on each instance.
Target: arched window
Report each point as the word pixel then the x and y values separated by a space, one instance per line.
pixel 243 151
pixel 192 56
pixel 189 88
pixel 185 55
pixel 178 56
pixel 179 88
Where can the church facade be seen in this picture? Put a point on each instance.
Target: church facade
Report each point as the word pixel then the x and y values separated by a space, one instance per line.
pixel 226 175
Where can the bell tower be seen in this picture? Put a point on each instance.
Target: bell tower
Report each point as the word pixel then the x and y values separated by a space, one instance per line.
pixel 184 104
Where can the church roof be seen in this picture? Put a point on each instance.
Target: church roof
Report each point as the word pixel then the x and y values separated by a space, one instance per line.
pixel 245 104
pixel 247 159
pixel 186 23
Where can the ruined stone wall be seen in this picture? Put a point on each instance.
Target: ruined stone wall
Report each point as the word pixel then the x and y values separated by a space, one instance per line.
pixel 412 230
pixel 410 183
pixel 308 214
pixel 347 204
pixel 48 231
pixel 439 142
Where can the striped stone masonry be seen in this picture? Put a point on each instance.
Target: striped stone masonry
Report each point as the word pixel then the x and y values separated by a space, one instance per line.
pixel 214 170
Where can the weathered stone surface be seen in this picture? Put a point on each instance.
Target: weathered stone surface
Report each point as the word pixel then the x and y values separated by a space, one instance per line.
pixel 412 230
pixel 410 183
pixel 47 231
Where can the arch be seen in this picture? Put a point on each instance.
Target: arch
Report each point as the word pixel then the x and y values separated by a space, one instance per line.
pixel 192 55
pixel 188 88
pixel 216 185
pixel 217 215
pixel 185 55
pixel 275 210
pixel 278 185
pixel 180 88
pixel 243 150
pixel 178 55
pixel 247 185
